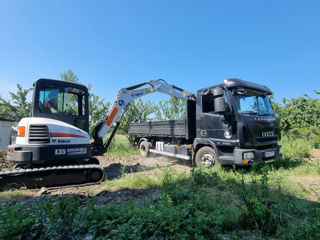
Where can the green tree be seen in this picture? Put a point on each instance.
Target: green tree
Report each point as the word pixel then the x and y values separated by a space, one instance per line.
pixel 138 111
pixel 17 107
pixel 297 113
pixel 98 108
pixel 170 109
pixel 69 76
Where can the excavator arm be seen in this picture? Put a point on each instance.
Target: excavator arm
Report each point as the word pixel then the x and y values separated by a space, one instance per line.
pixel 125 97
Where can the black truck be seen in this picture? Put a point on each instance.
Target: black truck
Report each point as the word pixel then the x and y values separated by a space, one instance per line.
pixel 232 123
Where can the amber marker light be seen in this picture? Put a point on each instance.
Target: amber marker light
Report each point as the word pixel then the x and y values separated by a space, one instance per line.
pixel 21 131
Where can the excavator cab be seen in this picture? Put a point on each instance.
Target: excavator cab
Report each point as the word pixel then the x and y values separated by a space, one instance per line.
pixel 63 101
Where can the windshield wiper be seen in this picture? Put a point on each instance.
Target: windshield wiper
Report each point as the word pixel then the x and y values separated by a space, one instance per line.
pixel 251 113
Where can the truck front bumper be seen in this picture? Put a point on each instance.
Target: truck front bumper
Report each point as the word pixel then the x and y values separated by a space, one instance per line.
pixel 37 154
pixel 266 155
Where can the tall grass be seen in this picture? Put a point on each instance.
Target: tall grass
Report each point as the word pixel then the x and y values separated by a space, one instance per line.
pixel 120 146
pixel 297 143
pixel 206 204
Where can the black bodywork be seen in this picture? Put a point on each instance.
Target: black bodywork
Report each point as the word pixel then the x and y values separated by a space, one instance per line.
pixel 39 154
pixel 184 129
pixel 228 132
pixel 231 133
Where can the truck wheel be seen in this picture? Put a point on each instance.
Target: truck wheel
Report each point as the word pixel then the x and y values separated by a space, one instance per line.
pixel 144 149
pixel 206 157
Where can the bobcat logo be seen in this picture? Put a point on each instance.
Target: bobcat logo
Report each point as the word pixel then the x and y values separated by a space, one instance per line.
pixel 121 102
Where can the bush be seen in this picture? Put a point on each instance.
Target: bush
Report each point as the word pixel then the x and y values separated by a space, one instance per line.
pixel 297 113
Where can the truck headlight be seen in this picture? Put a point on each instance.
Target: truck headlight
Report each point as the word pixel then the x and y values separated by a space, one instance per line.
pixel 248 155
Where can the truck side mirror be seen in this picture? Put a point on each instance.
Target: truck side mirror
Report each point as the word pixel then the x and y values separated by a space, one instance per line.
pixel 217 92
pixel 219 102
pixel 219 105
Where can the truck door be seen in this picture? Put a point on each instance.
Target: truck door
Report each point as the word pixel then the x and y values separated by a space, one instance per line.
pixel 212 124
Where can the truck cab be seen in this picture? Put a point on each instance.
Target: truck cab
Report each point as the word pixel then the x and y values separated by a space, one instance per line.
pixel 237 120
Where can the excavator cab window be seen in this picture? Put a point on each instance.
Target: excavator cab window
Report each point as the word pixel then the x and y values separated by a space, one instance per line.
pixel 62 101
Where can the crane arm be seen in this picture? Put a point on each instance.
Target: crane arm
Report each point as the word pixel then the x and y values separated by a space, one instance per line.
pixel 123 100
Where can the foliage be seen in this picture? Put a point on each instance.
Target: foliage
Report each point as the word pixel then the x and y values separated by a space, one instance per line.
pixel 69 76
pixel 120 146
pixel 171 109
pixel 98 108
pixel 262 210
pixel 298 113
pixel 207 204
pixel 18 107
pixel 138 111
pixel 311 227
pixel 295 147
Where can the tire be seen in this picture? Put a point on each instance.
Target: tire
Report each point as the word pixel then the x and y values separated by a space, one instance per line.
pixel 206 157
pixel 144 149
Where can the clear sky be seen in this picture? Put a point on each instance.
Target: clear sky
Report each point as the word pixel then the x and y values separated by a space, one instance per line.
pixel 192 44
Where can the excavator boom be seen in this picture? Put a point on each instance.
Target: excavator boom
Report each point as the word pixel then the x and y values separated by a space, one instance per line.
pixel 123 100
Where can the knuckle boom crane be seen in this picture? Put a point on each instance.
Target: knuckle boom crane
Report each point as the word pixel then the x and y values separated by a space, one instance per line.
pixel 125 97
pixel 53 146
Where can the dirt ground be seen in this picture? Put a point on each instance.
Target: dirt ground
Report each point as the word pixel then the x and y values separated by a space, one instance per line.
pixel 114 168
pixel 311 184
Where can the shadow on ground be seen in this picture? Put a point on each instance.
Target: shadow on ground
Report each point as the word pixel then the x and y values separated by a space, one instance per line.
pixel 116 170
pixel 104 197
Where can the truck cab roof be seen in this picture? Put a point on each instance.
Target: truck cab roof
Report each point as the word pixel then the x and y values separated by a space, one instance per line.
pixel 231 83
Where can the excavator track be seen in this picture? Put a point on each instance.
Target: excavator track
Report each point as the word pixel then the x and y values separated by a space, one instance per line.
pixel 52 176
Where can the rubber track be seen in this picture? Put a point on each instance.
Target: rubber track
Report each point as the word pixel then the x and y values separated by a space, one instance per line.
pixel 17 173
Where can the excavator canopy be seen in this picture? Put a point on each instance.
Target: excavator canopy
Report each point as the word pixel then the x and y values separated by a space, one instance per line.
pixel 63 101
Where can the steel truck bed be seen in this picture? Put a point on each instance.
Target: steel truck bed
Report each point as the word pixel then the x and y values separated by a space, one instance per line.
pixel 170 128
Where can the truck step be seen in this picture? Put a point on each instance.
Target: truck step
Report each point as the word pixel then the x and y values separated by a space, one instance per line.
pixel 170 154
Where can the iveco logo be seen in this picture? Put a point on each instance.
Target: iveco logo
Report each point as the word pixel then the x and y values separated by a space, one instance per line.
pixel 267 134
pixel 227 134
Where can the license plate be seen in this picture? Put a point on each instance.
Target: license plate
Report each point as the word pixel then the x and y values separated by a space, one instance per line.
pixel 269 154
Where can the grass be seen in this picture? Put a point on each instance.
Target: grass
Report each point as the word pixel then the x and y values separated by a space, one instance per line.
pixel 295 147
pixel 155 178
pixel 6 196
pixel 120 146
pixel 137 181
pixel 206 203
pixel 225 203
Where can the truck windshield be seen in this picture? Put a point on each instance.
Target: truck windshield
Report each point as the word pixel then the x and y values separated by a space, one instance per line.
pixel 251 103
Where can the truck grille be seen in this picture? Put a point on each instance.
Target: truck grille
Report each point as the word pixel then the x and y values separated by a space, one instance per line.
pixel 38 134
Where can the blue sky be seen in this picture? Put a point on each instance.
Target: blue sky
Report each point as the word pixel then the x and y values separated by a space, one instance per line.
pixel 192 44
